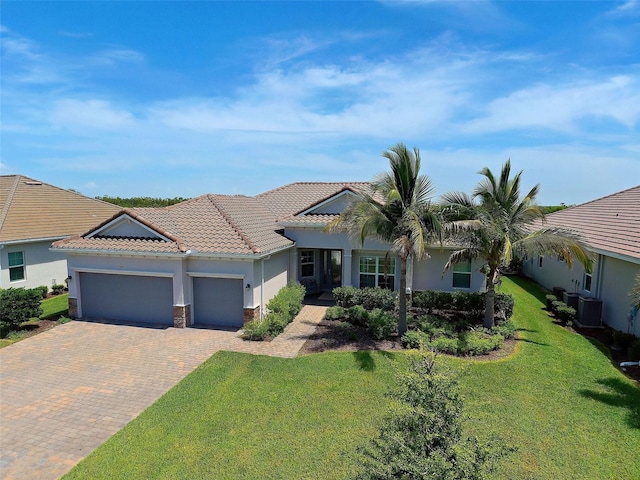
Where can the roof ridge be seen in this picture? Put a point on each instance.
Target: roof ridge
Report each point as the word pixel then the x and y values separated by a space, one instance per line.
pixel 12 192
pixel 287 185
pixel 233 224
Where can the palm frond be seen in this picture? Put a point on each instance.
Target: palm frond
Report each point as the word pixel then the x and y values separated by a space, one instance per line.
pixel 566 244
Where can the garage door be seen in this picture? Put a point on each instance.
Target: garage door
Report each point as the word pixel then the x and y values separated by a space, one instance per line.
pixel 218 301
pixel 127 297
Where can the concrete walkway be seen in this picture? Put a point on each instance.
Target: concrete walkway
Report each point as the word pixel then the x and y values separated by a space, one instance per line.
pixel 64 392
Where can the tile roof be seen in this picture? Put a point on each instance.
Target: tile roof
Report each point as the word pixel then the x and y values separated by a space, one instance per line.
pixel 30 209
pixel 297 197
pixel 214 224
pixel 611 223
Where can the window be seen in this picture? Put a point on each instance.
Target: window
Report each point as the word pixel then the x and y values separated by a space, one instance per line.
pixel 16 266
pixel 377 272
pixel 540 261
pixel 586 281
pixel 462 275
pixel 307 263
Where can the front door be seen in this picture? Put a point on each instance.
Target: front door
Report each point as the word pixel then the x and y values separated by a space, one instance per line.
pixel 332 262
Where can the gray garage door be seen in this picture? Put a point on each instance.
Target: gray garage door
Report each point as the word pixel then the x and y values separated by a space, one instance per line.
pixel 127 297
pixel 218 301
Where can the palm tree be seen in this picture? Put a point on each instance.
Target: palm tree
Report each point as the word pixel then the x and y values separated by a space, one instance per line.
pixel 495 222
pixel 398 211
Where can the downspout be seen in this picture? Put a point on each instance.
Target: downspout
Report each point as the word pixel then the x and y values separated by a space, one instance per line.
pixel 262 287
pixel 599 276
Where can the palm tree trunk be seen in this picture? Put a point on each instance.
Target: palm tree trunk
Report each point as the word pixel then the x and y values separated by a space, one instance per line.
pixel 402 298
pixel 489 300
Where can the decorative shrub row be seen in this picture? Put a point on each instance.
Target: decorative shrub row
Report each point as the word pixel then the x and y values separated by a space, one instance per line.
pixel 43 289
pixel 18 305
pixel 471 302
pixel 474 342
pixel 563 312
pixel 281 310
pixel 378 322
pixel 368 297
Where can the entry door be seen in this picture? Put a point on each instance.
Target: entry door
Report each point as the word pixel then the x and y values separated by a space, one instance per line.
pixel 332 268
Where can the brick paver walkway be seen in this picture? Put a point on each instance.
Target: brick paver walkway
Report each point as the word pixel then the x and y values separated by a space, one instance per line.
pixel 66 391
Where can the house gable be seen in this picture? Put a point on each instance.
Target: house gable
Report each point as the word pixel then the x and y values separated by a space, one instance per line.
pixel 333 205
pixel 124 226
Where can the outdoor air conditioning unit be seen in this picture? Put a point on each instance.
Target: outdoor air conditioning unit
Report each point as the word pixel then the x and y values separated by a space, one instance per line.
pixel 589 312
pixel 571 299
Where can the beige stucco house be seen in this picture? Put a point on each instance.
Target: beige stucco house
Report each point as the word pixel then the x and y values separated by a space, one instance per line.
pixel 33 214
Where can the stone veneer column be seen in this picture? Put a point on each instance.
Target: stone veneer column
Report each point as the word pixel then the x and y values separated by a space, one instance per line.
pixel 73 307
pixel 181 316
pixel 251 314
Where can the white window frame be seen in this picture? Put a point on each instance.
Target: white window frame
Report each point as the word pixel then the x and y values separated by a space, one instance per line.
pixel 586 276
pixel 305 262
pixel 459 273
pixel 13 267
pixel 379 272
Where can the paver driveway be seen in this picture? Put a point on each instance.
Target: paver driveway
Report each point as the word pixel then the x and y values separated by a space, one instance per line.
pixel 66 391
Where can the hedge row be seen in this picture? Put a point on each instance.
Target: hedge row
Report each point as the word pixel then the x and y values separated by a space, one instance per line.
pixel 18 305
pixel 281 310
pixel 369 297
pixel 471 302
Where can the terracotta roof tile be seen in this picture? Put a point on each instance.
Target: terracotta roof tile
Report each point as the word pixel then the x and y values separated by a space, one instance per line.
pixel 610 223
pixel 30 209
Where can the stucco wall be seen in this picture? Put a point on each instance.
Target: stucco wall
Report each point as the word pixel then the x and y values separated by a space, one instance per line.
pixel 617 279
pixel 427 274
pixel 42 267
pixel 556 273
pixel 276 275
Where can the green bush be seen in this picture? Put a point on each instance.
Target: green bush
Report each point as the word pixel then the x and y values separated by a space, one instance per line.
pixel 358 315
pixel 335 313
pixel 565 314
pixel 381 324
pixel 550 299
pixel 415 339
pixel 555 306
pixel 344 296
pixel 276 323
pixel 469 303
pixel 18 305
pixel 43 290
pixel 256 330
pixel 422 437
pixel 57 289
pixel 506 329
pixel 288 301
pixel 444 345
pixel 633 352
pixel 503 305
pixel 479 343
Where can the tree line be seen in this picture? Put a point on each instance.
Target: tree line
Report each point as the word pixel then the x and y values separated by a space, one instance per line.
pixel 133 202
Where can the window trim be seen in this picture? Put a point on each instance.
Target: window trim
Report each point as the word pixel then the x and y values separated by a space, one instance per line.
pixel 21 266
pixel 586 275
pixel 466 273
pixel 379 272
pixel 304 263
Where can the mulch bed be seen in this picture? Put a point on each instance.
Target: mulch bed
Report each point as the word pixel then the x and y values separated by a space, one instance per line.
pixel 36 328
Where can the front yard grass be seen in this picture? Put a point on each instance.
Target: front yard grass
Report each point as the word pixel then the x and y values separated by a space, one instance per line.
pixel 558 399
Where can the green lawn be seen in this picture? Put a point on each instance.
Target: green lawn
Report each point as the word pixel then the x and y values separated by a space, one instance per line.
pixel 557 398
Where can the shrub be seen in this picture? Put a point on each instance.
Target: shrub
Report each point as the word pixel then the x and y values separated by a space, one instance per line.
pixel 372 298
pixel 255 330
pixel 550 299
pixel 444 345
pixel 506 329
pixel 503 305
pixel 335 313
pixel 479 343
pixel 358 315
pixel 276 323
pixel 555 306
pixel 18 305
pixel 63 320
pixel 415 339
pixel 422 438
pixel 381 324
pixel 344 296
pixel 57 289
pixel 43 290
pixel 623 340
pixel 633 352
pixel 288 301
pixel 565 314
pixel 470 302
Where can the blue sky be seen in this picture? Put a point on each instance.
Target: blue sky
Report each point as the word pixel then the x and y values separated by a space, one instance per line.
pixel 185 98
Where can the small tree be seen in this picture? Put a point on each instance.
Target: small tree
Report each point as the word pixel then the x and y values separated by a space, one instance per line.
pixel 422 437
pixel 18 305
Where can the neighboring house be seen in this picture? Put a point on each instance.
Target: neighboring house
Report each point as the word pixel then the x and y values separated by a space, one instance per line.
pixel 219 259
pixel 611 226
pixel 34 214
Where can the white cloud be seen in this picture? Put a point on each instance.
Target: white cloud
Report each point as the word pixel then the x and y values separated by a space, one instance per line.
pixel 83 114
pixel 628 8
